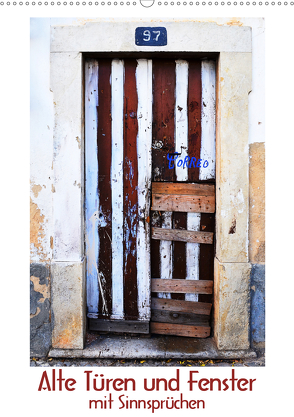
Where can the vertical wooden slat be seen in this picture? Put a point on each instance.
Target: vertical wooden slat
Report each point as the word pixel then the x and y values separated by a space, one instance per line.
pixel 208 120
pixel 130 190
pixel 192 253
pixel 163 142
pixel 104 185
pixel 91 183
pixel 207 152
pixel 181 140
pixel 144 142
pixel 194 145
pixel 117 85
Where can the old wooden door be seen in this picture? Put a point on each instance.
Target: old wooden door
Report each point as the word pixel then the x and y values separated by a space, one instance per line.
pixel 150 129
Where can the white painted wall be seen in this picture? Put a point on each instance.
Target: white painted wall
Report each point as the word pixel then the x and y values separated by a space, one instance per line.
pixel 42 112
pixel 41 128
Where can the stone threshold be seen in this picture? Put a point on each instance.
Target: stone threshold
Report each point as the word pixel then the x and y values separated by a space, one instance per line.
pixel 154 347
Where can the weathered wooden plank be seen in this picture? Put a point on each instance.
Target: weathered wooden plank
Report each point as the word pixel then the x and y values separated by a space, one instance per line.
pixel 181 306
pixel 194 118
pixel 91 183
pixel 181 286
pixel 104 186
pixel 180 330
pixel 181 146
pixel 131 215
pixel 183 188
pixel 182 235
pixel 208 120
pixel 117 76
pixel 183 203
pixel 119 326
pixel 176 317
pixel 144 141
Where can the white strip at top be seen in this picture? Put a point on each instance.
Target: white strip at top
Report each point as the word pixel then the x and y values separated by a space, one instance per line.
pixel 207 151
pixel 181 117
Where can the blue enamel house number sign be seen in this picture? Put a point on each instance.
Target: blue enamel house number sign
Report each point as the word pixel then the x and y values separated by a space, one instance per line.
pixel 151 36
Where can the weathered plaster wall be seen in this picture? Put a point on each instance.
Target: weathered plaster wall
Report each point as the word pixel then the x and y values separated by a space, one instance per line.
pixel 41 144
pixel 40 315
pixel 42 187
pixel 257 203
pixel 41 151
pixel 257 242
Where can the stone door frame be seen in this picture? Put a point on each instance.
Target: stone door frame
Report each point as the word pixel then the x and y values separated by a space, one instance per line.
pixel 69 44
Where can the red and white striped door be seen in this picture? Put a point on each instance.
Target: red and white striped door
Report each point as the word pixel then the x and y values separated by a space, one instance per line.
pixel 137 114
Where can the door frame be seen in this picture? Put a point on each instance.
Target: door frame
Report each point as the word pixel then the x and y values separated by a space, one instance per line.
pixel 69 44
pixel 115 318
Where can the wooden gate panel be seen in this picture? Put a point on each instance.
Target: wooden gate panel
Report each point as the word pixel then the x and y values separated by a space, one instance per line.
pixel 189 214
pixel 120 98
pixel 178 288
